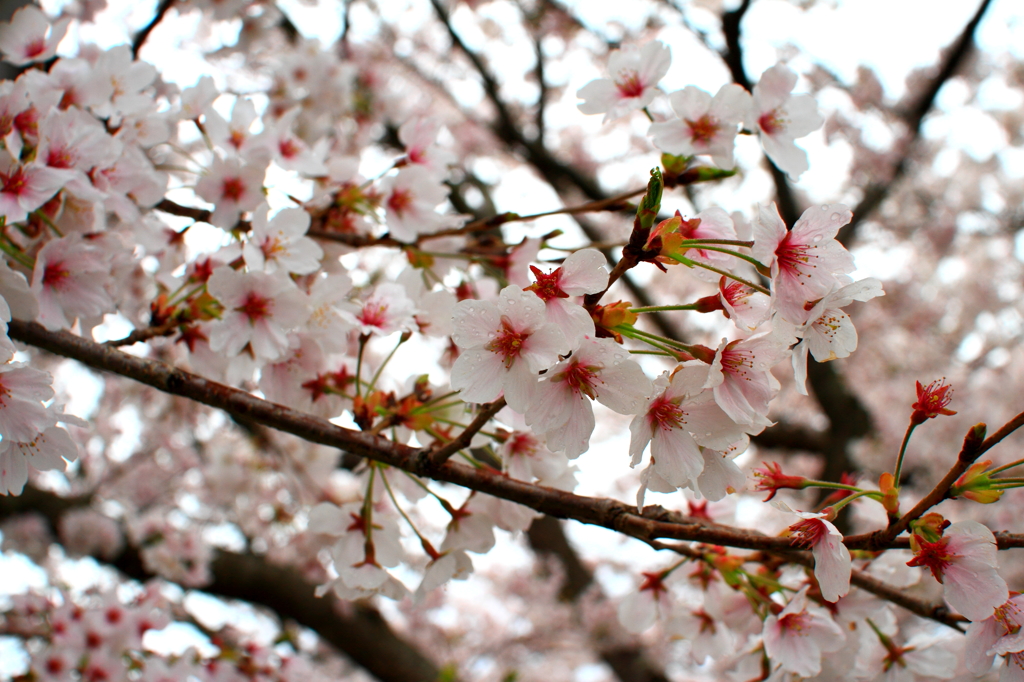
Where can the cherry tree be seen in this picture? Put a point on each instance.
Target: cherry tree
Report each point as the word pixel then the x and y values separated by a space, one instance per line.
pixel 487 341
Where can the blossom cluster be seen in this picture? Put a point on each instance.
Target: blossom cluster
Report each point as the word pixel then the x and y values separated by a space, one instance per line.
pixel 703 125
pixel 291 305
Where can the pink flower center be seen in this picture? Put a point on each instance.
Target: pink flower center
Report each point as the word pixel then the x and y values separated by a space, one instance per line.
pixel 793 622
pixel 400 201
pixel 665 414
pixel 374 315
pixel 288 148
pixel 546 287
pixel 15 182
pixel 704 129
pixel 792 256
pixel 508 343
pixel 737 363
pixel 55 274
pixel 35 48
pixel 629 84
pixel 55 665
pixel 255 307
pixel 809 532
pixel 233 189
pixel 934 555
pixel 236 139
pixel 580 379
pixel 522 445
pixel 60 158
pixel 770 122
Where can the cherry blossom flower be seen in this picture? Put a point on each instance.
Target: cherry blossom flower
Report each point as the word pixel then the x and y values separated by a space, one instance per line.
pixel 410 203
pixel 128 77
pixel 234 186
pixel 965 561
pixel 832 565
pixel 29 37
pixel 705 125
pixel 931 401
pixel 290 151
pixel 796 638
pixel 633 85
pixel 70 281
pixel 806 262
pixel 327 323
pixel 237 133
pixel 924 656
pixel 49 449
pixel 829 333
pixel 527 458
pixel 653 601
pixel 281 242
pixel 582 272
pixel 679 419
pixel 1000 634
pixel 259 310
pixel 504 347
pixel 24 188
pixel 741 376
pixel 748 308
pixel 780 117
pixel 385 311
pixel 419 136
pixel 599 369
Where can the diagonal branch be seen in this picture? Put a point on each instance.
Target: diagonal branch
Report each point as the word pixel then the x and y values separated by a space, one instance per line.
pixel 143 34
pixel 876 193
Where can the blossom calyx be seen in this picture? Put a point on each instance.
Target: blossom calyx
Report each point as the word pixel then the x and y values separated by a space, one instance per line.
pixel 931 401
pixel 608 319
pixel 976 484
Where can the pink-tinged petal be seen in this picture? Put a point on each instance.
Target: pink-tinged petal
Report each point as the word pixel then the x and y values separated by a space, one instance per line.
pixel 475 323
pixel 974 588
pixel 638 611
pixel 520 387
pixel 831 336
pixel 598 95
pixel 655 60
pixel 786 155
pixel 820 223
pixel 800 368
pixel 328 519
pixel 981 636
pixel 574 437
pixel 802 117
pixel 720 476
pixel 478 376
pixel 832 565
pixel 584 272
pixel 544 346
pixel 676 457
pixel 774 87
pixel 639 436
pixel 571 319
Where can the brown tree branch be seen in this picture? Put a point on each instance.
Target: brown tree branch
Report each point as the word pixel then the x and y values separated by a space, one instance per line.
pixel 876 193
pixel 647 525
pixel 143 34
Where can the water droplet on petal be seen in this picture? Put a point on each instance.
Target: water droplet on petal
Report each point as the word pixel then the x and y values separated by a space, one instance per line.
pixel 824 207
pixel 817 238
